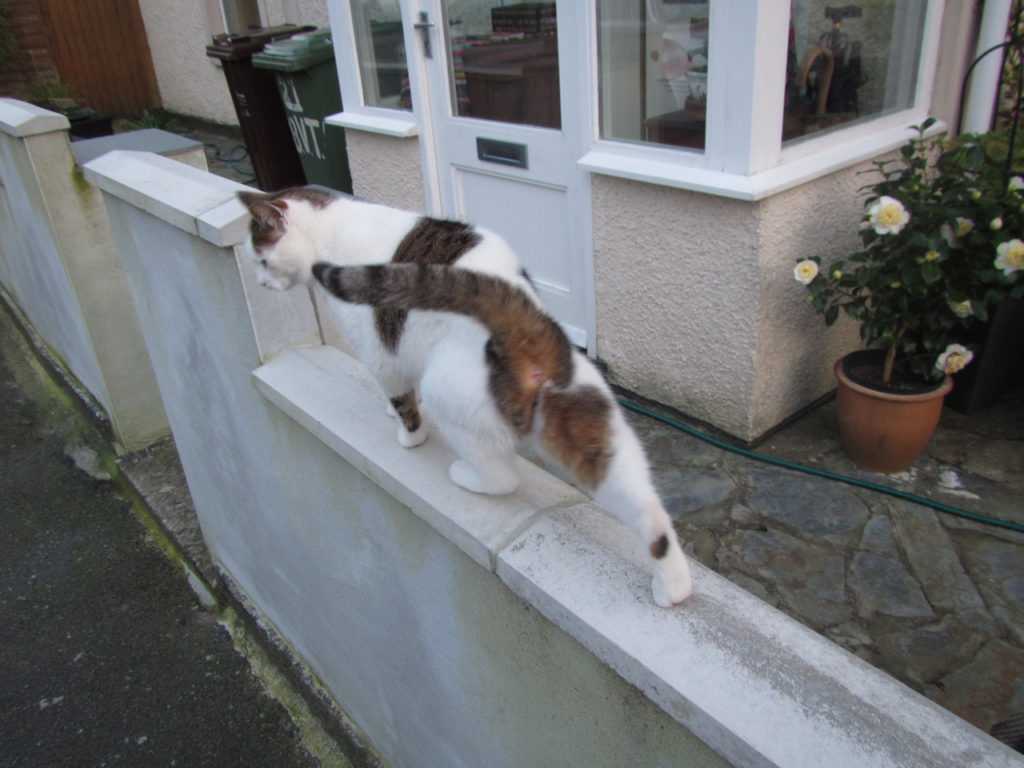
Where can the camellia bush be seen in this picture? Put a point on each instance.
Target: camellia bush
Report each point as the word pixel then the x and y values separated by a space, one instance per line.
pixel 943 244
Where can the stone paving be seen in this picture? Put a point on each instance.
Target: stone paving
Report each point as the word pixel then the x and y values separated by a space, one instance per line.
pixel 935 600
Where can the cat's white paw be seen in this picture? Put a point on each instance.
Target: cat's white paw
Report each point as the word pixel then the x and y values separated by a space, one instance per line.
pixel 408 439
pixel 672 582
pixel 499 480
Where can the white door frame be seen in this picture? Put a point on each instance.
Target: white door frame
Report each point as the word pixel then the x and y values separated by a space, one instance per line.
pixel 578 99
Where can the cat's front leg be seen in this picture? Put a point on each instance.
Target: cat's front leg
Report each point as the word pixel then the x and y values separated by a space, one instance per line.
pixel 412 430
pixel 672 582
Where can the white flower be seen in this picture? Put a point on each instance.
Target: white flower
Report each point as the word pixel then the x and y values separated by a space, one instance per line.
pixel 1011 256
pixel 1016 184
pixel 954 358
pixel 805 271
pixel 961 308
pixel 964 226
pixel 888 216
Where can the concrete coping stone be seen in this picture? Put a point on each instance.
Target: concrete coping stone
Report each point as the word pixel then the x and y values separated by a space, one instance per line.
pixel 352 420
pixel 20 119
pixel 192 200
pixel 144 140
pixel 755 685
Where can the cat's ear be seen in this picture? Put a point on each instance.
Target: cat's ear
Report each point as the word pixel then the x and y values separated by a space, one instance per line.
pixel 267 211
pixel 249 199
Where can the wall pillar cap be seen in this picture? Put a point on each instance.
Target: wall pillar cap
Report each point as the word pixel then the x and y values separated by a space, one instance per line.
pixel 19 118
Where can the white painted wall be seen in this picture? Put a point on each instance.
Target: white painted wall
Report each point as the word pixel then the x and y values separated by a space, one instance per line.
pixel 454 629
pixel 437 660
pixel 59 262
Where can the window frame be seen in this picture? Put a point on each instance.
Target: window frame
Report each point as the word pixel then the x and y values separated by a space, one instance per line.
pixel 738 160
pixel 356 112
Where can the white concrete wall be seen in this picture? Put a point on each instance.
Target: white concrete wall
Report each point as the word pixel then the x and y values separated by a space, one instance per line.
pixel 454 629
pixel 59 262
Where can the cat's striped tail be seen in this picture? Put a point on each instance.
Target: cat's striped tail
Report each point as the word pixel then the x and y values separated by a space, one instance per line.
pixel 528 341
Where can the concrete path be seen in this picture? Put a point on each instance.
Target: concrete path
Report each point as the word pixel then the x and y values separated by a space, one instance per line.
pixel 107 657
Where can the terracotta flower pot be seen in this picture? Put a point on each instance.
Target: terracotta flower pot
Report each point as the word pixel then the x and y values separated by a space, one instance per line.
pixel 884 431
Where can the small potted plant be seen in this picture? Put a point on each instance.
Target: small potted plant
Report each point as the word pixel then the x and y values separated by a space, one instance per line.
pixel 943 244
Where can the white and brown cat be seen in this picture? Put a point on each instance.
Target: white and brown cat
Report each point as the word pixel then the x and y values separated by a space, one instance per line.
pixel 442 312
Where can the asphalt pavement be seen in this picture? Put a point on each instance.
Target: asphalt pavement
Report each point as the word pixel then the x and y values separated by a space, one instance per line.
pixel 107 656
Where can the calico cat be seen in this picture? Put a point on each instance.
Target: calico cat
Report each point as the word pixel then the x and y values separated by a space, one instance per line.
pixel 443 310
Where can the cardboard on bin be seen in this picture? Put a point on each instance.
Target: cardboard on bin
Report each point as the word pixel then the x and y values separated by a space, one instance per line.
pixel 236 46
pixel 298 52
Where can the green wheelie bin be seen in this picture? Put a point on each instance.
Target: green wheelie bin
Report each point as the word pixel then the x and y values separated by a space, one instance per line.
pixel 308 83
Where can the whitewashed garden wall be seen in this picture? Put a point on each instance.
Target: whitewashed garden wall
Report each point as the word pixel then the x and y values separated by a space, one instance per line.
pixel 453 629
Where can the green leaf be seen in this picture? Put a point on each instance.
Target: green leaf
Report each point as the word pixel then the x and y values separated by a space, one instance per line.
pixel 931 272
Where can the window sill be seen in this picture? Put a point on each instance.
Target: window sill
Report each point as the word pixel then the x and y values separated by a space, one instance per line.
pixel 799 164
pixel 400 127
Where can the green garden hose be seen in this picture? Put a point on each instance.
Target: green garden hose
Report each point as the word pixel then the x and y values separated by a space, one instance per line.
pixel 937 505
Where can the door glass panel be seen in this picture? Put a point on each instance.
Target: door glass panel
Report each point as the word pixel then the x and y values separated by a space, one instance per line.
pixel 382 66
pixel 653 65
pixel 503 61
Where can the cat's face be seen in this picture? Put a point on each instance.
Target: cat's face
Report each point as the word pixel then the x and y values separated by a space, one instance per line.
pixel 282 255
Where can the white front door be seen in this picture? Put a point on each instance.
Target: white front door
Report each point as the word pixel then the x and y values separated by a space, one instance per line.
pixel 505 118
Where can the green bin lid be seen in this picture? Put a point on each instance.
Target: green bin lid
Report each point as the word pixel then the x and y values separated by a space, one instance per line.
pixel 298 52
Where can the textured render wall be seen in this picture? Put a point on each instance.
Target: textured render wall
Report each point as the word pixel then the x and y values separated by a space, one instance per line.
pixel 190 82
pixel 794 349
pixel 696 303
pixel 675 284
pixel 386 169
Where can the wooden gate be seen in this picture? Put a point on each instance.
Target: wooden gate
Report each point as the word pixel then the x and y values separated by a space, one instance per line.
pixel 100 51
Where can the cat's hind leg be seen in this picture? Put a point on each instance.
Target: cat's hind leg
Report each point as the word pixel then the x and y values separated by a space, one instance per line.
pixel 456 394
pixel 494 476
pixel 412 431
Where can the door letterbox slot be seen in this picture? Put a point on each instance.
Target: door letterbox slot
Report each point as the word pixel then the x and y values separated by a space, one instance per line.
pixel 502 152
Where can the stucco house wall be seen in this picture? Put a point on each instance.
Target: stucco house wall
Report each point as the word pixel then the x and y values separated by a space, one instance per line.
pixel 386 170
pixel 696 303
pixel 190 82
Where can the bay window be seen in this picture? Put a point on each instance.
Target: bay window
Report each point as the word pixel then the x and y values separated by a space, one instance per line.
pixel 849 63
pixel 745 98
